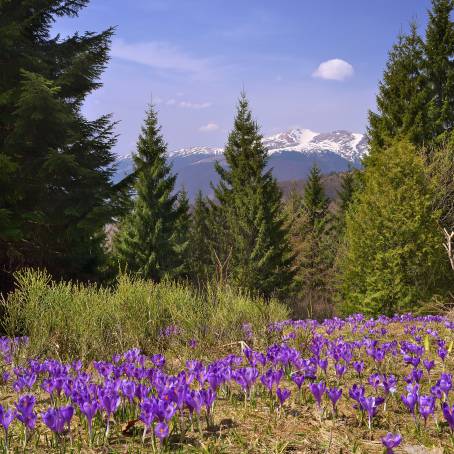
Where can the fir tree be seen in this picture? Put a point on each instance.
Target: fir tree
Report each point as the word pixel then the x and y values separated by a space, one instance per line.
pixel 402 96
pixel 254 237
pixel 315 253
pixel 56 193
pixel 200 256
pixel 151 241
pixel 393 257
pixel 439 66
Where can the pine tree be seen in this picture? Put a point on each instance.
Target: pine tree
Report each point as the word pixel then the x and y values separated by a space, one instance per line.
pixel 402 96
pixel 315 252
pixel 393 257
pixel 439 66
pixel 254 237
pixel 151 241
pixel 56 193
pixel 200 256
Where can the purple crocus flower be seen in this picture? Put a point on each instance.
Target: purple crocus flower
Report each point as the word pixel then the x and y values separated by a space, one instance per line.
pixel 410 401
pixel 429 365
pixel 282 394
pixel 370 405
pixel 426 406
pixel 391 441
pixel 298 379
pixel 317 390
pixel 442 353
pixel 340 369
pixel 25 413
pixel 6 418
pixel 448 414
pixel 334 395
pixel 89 409
pixel 161 430
pixel 358 366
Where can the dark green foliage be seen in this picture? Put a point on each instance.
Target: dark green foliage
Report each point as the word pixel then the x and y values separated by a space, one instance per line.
pixel 152 239
pixel 312 229
pixel 439 67
pixel 55 165
pixel 200 255
pixel 393 258
pixel 249 221
pixel 402 96
pixel 416 96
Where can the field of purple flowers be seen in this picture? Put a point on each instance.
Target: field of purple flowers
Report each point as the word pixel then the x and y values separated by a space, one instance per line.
pixel 341 386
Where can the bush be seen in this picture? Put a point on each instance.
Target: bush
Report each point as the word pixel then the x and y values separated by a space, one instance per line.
pixel 68 319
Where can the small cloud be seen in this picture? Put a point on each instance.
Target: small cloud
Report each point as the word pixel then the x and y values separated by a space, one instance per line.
pixel 171 102
pixel 210 127
pixel 335 69
pixel 194 105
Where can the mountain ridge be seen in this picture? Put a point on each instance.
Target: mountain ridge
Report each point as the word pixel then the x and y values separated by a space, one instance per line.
pixel 291 155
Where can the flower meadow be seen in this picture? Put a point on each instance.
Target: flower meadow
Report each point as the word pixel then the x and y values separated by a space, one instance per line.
pixel 353 385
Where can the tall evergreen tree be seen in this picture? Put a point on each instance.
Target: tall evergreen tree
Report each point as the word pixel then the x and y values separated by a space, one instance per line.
pixel 315 254
pixel 249 212
pixel 393 257
pixel 55 165
pixel 402 96
pixel 200 255
pixel 439 67
pixel 151 241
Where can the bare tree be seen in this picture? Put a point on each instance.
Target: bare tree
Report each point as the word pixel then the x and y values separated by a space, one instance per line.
pixel 449 239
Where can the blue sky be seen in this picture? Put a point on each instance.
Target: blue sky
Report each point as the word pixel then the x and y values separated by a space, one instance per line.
pixel 194 56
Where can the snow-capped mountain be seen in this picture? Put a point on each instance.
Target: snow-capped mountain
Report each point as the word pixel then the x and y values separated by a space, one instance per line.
pixel 291 155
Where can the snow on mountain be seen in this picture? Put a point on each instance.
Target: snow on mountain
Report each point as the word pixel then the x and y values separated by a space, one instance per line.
pixel 291 156
pixel 348 145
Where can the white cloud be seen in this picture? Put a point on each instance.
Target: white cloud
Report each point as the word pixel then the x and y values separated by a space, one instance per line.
pixel 210 127
pixel 335 69
pixel 159 55
pixel 171 102
pixel 194 105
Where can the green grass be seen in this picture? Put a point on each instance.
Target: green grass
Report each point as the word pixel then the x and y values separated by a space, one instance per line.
pixel 69 320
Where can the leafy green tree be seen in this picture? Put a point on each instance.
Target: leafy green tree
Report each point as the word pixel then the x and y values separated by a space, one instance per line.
pixel 402 96
pixel 56 193
pixel 250 219
pixel 439 67
pixel 152 239
pixel 393 257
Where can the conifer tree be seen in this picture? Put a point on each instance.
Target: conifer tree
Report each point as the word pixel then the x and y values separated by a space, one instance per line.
pixel 315 254
pixel 56 193
pixel 151 241
pixel 249 212
pixel 439 67
pixel 200 257
pixel 393 257
pixel 402 96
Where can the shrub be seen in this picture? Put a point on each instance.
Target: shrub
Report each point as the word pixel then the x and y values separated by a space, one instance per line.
pixel 68 319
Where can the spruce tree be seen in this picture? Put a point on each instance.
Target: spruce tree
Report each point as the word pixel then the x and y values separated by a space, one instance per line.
pixel 315 253
pixel 151 241
pixel 253 233
pixel 393 256
pixel 402 96
pixel 200 255
pixel 56 193
pixel 439 67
